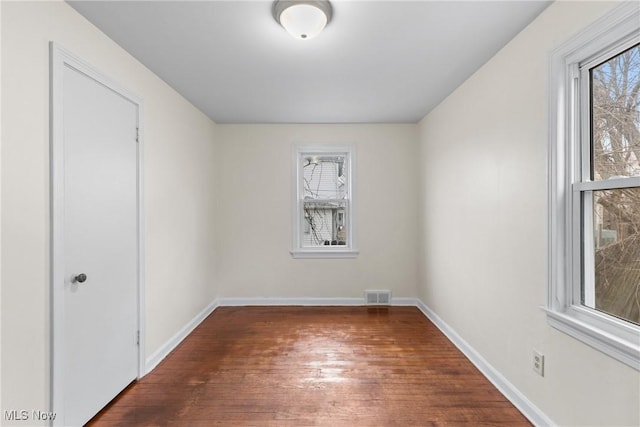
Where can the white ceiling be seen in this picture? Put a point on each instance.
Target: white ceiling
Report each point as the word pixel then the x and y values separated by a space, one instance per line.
pixel 376 62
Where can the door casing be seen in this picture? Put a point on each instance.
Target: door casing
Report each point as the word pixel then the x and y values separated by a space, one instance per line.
pixel 59 59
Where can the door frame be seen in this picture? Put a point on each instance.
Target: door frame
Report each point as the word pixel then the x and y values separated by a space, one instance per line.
pixel 59 59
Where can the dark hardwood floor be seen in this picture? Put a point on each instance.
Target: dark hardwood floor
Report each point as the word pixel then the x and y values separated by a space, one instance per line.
pixel 313 366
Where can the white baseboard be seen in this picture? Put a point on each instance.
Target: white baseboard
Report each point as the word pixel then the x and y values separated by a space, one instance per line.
pixel 234 302
pixel 238 302
pixel 157 357
pixel 519 400
pixel 404 301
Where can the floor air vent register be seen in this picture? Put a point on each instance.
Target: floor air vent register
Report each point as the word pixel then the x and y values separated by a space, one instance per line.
pixel 377 297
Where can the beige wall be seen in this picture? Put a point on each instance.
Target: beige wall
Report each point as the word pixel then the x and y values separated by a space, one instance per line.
pixel 483 238
pixel 179 205
pixel 255 170
pixel 476 231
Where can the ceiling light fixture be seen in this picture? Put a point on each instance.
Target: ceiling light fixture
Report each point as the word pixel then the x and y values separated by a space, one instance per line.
pixel 303 19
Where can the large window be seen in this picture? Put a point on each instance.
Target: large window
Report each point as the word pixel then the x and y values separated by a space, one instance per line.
pixel 594 218
pixel 610 207
pixel 323 202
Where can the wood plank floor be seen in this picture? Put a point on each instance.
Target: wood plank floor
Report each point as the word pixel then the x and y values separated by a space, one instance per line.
pixel 313 366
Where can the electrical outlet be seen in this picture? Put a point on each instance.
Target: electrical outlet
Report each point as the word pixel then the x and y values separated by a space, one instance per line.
pixel 538 363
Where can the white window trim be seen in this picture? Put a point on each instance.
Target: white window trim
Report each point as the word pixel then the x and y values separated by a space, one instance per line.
pixel 348 251
pixel 618 339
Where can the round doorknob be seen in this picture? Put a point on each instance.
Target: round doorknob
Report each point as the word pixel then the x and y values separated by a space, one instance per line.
pixel 80 278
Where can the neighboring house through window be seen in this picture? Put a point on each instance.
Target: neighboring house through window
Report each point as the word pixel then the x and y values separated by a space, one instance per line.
pixel 594 215
pixel 323 202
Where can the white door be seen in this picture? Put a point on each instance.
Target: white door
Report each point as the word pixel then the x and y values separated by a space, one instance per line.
pixel 99 346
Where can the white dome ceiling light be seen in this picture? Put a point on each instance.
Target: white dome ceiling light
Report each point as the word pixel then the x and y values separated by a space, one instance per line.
pixel 303 19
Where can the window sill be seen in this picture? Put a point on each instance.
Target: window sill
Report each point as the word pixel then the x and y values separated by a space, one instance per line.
pixel 324 253
pixel 626 351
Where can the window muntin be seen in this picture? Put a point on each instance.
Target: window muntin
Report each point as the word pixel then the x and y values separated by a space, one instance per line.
pixel 323 202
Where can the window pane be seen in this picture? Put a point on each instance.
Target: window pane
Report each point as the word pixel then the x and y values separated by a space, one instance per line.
pixel 616 258
pixel 325 177
pixel 615 131
pixel 324 224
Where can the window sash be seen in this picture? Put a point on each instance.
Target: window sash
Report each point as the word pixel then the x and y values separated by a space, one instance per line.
pixel 321 179
pixel 583 283
pixel 345 203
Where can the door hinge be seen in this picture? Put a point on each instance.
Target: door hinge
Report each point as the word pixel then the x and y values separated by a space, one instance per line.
pixel 138 338
pixel 137 134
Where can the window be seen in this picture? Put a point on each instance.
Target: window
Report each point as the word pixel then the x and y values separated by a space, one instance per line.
pixel 323 202
pixel 594 206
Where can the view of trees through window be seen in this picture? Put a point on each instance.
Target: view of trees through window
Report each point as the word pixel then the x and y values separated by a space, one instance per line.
pixel 325 201
pixel 615 153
